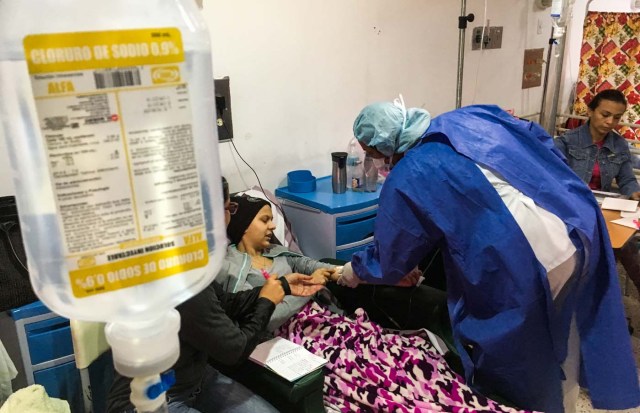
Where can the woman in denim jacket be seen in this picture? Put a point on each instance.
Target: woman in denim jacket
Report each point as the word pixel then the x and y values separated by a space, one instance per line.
pixel 596 140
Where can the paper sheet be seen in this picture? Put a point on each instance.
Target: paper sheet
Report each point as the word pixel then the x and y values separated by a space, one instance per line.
pixel 620 204
pixel 634 214
pixel 630 222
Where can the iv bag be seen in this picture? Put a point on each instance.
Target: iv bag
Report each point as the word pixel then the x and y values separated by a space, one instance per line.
pixel 560 14
pixel 107 108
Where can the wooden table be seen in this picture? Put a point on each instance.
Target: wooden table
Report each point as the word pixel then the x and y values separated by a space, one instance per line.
pixel 619 234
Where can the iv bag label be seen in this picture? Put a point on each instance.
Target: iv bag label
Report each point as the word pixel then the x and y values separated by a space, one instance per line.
pixel 115 115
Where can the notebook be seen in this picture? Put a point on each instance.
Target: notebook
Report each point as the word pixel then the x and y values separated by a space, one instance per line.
pixel 285 358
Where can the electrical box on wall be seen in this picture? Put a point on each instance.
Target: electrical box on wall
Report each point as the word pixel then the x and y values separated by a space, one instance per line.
pixel 223 109
pixel 491 39
pixel 532 68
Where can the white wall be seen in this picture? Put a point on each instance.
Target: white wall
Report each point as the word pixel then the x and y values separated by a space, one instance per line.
pixel 574 42
pixel 301 70
pixel 499 71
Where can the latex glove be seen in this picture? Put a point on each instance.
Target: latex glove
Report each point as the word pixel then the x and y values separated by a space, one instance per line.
pixel 348 278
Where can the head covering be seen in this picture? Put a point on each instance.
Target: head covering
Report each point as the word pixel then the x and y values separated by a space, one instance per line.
pixel 248 208
pixel 389 127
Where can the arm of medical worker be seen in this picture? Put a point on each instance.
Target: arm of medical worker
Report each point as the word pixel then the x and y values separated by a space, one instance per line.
pixel 403 235
pixel 226 326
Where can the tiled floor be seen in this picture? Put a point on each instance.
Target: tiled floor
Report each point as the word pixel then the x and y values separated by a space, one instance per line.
pixel 632 308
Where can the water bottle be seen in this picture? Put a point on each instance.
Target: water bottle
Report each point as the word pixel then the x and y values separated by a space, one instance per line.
pixel 370 175
pixel 106 112
pixel 354 166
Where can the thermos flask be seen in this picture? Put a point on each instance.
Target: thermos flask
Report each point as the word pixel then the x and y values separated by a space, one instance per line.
pixel 339 172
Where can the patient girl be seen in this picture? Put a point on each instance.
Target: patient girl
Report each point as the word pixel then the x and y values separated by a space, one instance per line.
pixel 369 368
pixel 252 257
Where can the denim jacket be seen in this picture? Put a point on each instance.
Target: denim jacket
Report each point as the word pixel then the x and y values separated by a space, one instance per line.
pixel 614 158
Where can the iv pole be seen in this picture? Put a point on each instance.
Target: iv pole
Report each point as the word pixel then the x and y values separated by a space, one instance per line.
pixel 543 105
pixel 550 121
pixel 462 25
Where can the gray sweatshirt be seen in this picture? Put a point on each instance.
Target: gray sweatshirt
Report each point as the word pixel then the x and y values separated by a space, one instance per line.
pixel 238 275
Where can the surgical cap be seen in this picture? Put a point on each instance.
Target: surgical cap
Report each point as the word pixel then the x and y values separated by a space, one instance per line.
pixel 383 125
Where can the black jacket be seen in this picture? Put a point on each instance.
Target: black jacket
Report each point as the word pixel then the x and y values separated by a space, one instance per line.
pixel 225 327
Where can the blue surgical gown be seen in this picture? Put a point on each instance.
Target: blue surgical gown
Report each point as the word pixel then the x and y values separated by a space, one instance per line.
pixel 510 333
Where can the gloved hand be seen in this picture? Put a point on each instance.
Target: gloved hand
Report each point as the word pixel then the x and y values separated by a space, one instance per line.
pixel 347 277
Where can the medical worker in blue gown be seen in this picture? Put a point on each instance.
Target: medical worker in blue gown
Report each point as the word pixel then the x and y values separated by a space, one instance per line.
pixel 531 279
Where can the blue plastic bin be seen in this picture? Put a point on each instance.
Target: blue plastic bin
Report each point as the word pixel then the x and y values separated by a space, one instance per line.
pixel 301 181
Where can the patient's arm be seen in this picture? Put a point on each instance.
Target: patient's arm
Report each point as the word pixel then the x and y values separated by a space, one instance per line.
pixel 304 285
pixel 322 275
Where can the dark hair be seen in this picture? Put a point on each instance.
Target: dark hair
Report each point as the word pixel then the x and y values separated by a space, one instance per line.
pixel 613 95
pixel 225 188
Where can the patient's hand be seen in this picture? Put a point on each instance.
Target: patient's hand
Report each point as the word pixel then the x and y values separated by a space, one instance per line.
pixel 322 275
pixel 302 285
pixel 410 279
pixel 272 290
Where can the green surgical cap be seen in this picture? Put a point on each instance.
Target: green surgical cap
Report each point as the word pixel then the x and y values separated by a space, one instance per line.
pixel 384 126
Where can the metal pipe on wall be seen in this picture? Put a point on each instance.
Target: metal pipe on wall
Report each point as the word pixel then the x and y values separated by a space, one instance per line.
pixel 550 124
pixel 543 105
pixel 462 25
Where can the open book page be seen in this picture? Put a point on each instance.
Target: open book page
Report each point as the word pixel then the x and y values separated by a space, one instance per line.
pixel 288 359
pixel 271 349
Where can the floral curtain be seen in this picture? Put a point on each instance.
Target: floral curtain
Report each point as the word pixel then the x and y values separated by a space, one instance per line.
pixel 610 58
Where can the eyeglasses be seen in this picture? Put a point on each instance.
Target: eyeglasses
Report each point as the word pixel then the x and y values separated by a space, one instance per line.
pixel 232 207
